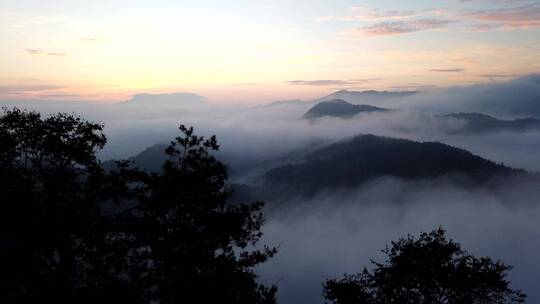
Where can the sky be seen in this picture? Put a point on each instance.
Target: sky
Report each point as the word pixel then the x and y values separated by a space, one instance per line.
pixel 259 51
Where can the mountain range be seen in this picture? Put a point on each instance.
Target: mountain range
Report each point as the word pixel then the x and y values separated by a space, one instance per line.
pixel 478 122
pixel 471 122
pixel 349 163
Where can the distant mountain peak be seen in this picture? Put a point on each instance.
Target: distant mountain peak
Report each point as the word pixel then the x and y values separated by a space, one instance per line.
pixel 479 122
pixel 339 108
pixel 362 96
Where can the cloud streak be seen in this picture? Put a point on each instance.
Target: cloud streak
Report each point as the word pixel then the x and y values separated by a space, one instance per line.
pixel 329 82
pixel 453 70
pixel 12 89
pixel 395 22
pixel 360 13
pixel 370 14
pixel 42 52
pixel 525 16
pixel 321 82
pixel 364 13
pixel 387 28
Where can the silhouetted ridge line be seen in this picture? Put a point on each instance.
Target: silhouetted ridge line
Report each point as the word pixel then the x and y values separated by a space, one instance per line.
pixel 479 122
pixel 351 162
pixel 339 108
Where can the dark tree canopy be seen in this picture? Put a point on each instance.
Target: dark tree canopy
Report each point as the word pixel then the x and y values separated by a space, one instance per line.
pixel 49 182
pixel 72 232
pixel 431 269
pixel 190 244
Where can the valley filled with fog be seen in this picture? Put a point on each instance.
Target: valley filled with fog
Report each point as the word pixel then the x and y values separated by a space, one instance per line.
pixel 338 228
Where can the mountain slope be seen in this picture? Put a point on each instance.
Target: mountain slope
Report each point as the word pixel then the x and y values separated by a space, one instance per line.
pixel 242 166
pixel 349 163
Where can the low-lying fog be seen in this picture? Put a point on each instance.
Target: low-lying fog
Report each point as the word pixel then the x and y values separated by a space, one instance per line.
pixel 340 232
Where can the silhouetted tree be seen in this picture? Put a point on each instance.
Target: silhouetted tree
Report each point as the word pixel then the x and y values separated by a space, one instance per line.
pixel 183 242
pixel 50 183
pixel 72 232
pixel 430 270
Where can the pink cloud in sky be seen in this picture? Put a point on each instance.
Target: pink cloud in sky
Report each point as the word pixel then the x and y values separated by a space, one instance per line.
pixel 401 27
pixel 525 16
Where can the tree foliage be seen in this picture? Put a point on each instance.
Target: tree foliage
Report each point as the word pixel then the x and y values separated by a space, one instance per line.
pixel 49 181
pixel 431 269
pixel 188 240
pixel 72 232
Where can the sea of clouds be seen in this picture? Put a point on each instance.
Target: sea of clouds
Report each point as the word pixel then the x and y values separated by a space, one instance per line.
pixel 338 232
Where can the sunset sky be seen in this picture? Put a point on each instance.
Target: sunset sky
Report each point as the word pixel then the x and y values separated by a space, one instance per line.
pixel 257 51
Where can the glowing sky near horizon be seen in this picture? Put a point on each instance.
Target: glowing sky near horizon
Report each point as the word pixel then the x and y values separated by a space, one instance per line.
pixel 253 51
